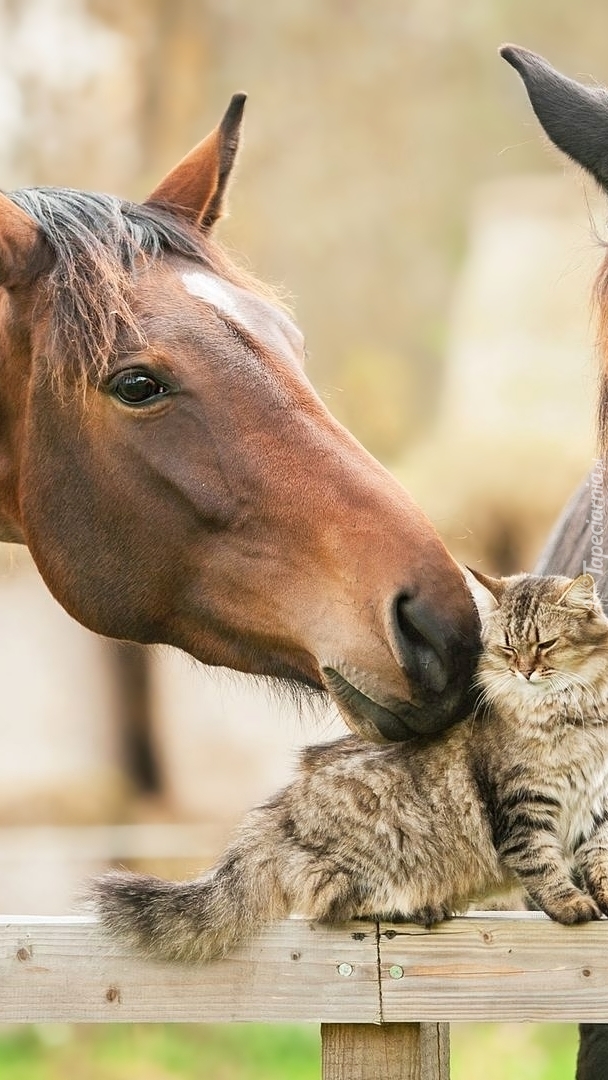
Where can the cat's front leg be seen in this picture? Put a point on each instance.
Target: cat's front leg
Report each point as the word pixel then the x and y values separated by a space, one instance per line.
pixel 540 865
pixel 592 862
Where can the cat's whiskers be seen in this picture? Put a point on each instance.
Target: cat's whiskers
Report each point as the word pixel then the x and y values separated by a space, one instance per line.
pixel 493 688
pixel 573 680
pixel 574 691
pixel 561 689
pixel 480 713
pixel 579 682
pixel 574 703
pixel 569 690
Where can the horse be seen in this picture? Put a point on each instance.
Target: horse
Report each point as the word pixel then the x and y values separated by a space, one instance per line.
pixel 575 117
pixel 177 479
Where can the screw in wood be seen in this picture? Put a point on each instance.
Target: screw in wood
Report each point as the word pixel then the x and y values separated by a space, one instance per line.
pixel 345 969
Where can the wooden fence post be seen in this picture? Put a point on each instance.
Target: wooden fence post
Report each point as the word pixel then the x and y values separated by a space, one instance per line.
pixel 385 1051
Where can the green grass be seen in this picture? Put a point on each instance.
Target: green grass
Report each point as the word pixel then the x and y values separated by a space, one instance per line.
pixel 160 1052
pixel 505 1051
pixel 255 1052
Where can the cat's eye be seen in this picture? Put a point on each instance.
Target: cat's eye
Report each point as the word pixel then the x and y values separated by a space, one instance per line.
pixel 544 646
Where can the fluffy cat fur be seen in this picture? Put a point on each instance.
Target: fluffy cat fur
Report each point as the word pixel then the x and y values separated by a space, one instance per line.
pixel 417 830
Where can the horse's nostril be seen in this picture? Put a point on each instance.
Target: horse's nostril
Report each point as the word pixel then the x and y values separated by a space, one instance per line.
pixel 406 625
pixel 418 644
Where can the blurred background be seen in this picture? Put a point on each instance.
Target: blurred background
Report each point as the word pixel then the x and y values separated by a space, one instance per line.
pixel 440 258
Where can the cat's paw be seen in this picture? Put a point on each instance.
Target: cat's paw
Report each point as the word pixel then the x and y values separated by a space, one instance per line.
pixel 430 915
pixel 576 909
pixel 596 882
pixel 601 898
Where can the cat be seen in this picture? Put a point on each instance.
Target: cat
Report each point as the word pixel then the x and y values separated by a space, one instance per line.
pixel 518 793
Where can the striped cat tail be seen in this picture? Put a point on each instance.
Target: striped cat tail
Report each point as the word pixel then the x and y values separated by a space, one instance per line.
pixel 197 920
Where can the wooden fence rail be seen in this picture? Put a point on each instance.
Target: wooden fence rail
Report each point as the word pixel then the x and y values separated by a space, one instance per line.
pixel 384 994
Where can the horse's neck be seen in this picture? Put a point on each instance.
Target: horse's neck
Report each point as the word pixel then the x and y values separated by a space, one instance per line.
pixel 569 545
pixel 9 534
pixel 577 543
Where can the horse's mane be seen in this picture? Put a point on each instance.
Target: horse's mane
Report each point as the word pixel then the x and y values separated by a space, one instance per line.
pixel 97 241
pixel 601 303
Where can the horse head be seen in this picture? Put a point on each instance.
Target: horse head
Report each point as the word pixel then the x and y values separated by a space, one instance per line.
pixel 177 479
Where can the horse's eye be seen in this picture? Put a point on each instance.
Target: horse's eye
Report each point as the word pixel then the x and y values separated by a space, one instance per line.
pixel 136 387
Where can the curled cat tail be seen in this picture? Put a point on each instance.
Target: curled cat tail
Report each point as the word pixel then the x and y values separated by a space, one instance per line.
pixel 197 920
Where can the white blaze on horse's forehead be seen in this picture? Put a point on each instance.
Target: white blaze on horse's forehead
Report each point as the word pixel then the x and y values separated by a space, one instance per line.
pixel 259 317
pixel 215 292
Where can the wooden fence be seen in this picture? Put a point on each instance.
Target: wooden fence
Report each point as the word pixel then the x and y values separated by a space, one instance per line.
pixel 384 994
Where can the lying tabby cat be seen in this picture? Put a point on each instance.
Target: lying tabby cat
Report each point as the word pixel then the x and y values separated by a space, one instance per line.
pixel 416 830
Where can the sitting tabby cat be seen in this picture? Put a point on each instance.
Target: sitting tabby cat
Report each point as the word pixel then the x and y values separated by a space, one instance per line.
pixel 416 830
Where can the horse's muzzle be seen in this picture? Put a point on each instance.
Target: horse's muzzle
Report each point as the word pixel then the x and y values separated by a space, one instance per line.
pixel 437 662
pixel 376 723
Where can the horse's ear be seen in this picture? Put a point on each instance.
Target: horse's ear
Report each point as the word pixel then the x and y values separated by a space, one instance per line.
pixel 19 238
pixel 575 117
pixel 198 183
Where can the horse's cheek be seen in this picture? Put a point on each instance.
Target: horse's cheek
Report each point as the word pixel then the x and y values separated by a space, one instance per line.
pixel 77 537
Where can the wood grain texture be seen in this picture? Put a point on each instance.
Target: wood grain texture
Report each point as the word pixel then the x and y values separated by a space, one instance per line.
pixel 66 969
pixel 515 966
pixel 389 1052
pixel 512 966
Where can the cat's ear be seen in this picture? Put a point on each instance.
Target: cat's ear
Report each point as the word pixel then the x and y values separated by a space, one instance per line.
pixel 580 593
pixel 486 591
